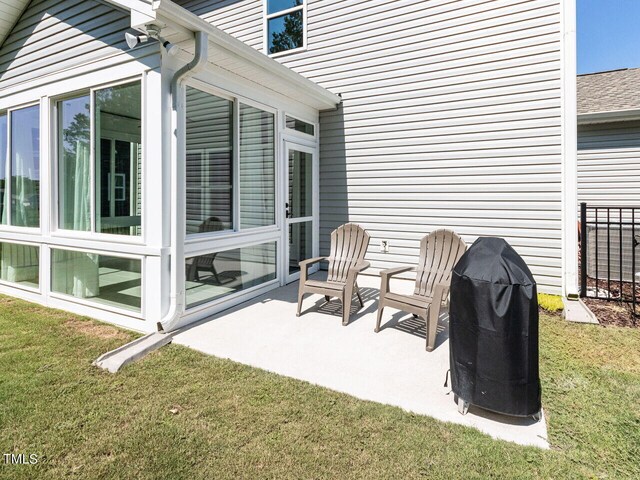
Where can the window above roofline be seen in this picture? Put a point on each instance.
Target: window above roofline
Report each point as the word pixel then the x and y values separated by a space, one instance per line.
pixel 277 14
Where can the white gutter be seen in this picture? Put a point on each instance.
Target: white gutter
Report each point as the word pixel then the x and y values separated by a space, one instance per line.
pixel 609 116
pixel 184 18
pixel 177 300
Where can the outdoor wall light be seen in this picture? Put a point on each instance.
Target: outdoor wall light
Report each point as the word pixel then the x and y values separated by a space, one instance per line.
pixel 134 40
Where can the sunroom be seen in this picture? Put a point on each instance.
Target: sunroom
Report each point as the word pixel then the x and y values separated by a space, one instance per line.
pixel 161 184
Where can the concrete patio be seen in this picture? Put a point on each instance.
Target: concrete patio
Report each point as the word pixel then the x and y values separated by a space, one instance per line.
pixel 390 367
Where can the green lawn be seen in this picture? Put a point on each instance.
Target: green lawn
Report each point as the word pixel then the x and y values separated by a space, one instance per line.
pixel 181 414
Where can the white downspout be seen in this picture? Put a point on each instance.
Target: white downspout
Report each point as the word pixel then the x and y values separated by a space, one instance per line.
pixel 177 295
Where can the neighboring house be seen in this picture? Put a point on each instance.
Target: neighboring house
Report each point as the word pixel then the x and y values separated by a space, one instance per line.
pixel 609 168
pixel 609 138
pixel 149 193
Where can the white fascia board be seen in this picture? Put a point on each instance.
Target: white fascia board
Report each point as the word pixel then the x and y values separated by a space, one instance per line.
pixel 185 19
pixel 142 12
pixel 611 116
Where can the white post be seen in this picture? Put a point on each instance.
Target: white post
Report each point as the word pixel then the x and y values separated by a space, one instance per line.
pixel 569 151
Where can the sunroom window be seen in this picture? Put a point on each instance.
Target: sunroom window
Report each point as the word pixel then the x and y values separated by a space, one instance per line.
pixel 230 184
pixel 285 25
pixel 21 194
pixel 112 180
pixel 209 162
pixel 118 165
pixel 257 168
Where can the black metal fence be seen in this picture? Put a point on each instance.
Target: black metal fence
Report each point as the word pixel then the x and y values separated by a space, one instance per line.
pixel 609 267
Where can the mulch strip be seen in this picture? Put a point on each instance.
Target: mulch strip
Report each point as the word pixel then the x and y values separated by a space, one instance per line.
pixel 612 313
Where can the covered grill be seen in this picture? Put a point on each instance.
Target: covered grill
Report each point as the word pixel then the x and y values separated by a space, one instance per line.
pixel 493 330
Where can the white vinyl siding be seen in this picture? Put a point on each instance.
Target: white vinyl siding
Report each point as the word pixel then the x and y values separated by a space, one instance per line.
pixel 450 118
pixel 241 18
pixel 52 36
pixel 609 164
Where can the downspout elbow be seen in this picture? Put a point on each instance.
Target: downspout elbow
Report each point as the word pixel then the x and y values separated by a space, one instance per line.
pixel 195 65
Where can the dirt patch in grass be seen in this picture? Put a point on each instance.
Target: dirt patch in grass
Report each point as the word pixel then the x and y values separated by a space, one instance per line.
pixel 614 314
pixel 92 329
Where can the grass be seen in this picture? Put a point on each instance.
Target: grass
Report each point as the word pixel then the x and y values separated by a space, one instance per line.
pixel 180 414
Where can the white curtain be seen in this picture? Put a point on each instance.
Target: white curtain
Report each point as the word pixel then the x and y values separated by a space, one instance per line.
pixel 82 189
pixel 77 273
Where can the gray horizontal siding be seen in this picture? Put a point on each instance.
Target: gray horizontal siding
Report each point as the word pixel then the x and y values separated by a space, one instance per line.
pixel 240 18
pixel 450 118
pixel 609 163
pixel 54 35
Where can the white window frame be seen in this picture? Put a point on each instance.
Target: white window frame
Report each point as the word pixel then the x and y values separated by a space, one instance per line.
pixel 265 27
pixel 93 233
pixel 8 227
pixel 240 294
pixel 139 315
pixel 293 131
pixel 21 286
pixel 194 240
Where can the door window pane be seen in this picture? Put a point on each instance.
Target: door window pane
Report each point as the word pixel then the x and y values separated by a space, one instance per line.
pixel 285 32
pixel 3 167
pixel 74 168
pixel 25 167
pixel 216 275
pixel 257 168
pixel 20 264
pixel 300 244
pixel 300 184
pixel 103 279
pixel 118 124
pixel 209 162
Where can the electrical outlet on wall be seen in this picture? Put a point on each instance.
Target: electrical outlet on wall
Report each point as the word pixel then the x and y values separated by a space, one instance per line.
pixel 384 246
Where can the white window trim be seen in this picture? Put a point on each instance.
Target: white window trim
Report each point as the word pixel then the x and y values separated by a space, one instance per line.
pixel 265 28
pixel 293 131
pixel 8 227
pixel 236 231
pixel 21 286
pixel 97 304
pixel 92 234
pixel 240 293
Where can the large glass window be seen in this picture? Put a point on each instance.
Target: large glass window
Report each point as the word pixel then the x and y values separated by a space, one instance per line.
pixel 21 197
pixel 209 162
pixel 20 264
pixel 257 168
pixel 4 148
pixel 216 275
pixel 74 164
pixel 285 25
pixel 109 175
pixel 118 159
pixel 102 279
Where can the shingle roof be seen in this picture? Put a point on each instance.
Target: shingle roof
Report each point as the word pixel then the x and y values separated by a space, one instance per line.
pixel 609 91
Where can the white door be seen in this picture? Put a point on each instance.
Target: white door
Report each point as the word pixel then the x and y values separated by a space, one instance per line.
pixel 301 208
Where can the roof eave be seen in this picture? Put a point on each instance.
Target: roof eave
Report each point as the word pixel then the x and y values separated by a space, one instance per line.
pixel 609 116
pixel 187 20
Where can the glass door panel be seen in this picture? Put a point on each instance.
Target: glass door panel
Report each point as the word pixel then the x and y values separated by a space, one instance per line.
pixel 299 208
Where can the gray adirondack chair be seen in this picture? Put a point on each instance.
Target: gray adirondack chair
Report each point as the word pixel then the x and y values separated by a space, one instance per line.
pixel 439 252
pixel 349 244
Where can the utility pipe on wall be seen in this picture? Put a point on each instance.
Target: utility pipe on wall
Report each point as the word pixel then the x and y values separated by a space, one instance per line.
pixel 177 294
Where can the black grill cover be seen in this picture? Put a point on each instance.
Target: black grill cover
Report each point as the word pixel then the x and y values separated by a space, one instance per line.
pixel 493 330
